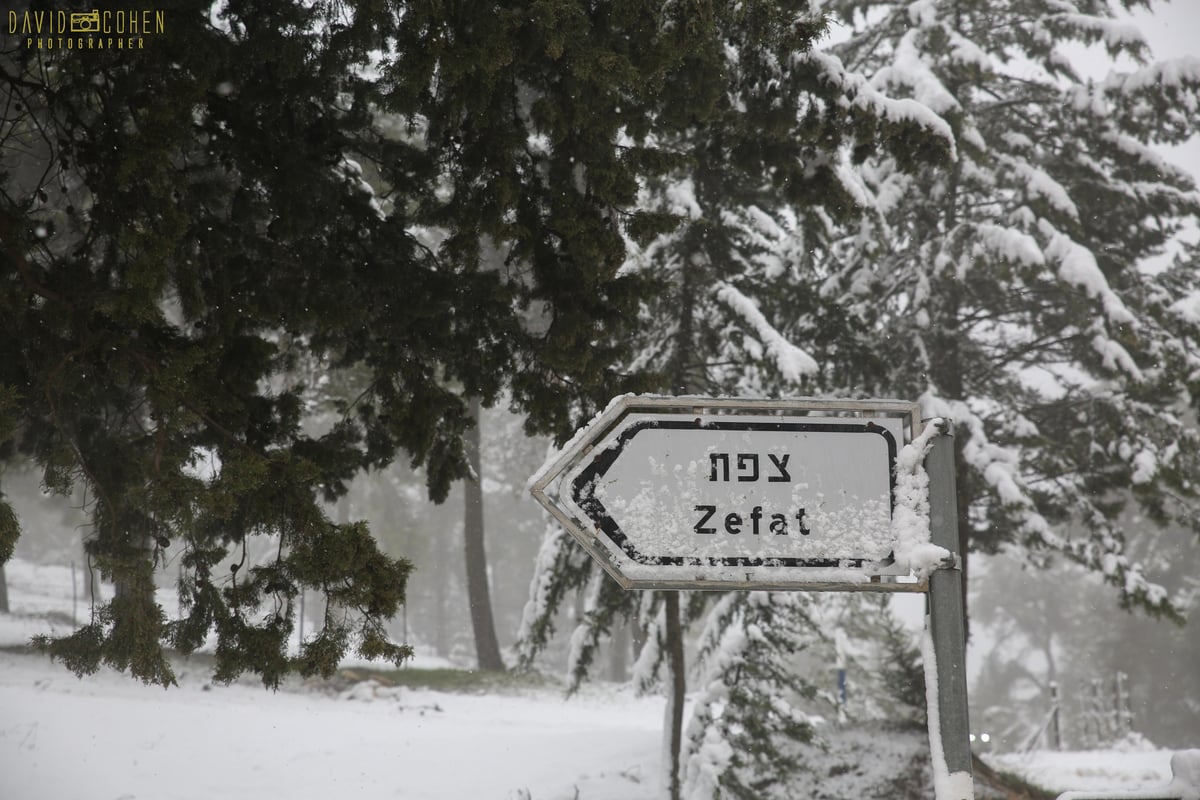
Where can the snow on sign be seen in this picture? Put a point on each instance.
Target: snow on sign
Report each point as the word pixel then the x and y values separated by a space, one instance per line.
pixel 670 492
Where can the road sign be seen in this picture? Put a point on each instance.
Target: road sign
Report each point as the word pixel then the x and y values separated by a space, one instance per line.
pixel 703 493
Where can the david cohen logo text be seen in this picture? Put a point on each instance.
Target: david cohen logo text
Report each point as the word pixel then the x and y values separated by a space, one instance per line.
pixel 95 29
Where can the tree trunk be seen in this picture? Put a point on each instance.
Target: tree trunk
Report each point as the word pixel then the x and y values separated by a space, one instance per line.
pixel 441 582
pixel 948 375
pixel 90 579
pixel 487 648
pixel 142 585
pixel 678 370
pixel 3 591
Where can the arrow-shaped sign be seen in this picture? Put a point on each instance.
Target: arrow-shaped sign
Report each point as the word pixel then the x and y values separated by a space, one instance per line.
pixel 703 493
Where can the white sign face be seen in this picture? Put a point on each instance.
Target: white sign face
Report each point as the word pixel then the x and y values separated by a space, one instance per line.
pixel 723 498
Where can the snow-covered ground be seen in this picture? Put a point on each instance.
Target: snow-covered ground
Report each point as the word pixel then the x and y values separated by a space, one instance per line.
pixel 108 737
pixel 1094 770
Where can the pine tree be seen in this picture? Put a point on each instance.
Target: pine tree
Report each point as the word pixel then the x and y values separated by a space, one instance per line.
pixel 1010 292
pixel 765 185
pixel 1019 256
pixel 264 183
pixel 160 250
pixel 749 706
pixel 775 136
pixel 544 117
pixel 885 680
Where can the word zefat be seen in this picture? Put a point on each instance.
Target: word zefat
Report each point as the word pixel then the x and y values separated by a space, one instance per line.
pixel 750 468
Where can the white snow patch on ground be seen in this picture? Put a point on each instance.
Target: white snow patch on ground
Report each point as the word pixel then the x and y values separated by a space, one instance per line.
pixel 110 737
pixel 1092 770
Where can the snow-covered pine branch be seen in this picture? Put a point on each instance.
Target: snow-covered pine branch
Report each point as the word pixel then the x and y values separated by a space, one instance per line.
pixel 1014 296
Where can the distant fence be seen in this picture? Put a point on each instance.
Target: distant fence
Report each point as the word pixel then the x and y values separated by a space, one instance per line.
pixel 1105 717
pixel 1184 785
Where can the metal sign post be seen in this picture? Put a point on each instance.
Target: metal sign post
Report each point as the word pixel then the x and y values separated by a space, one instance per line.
pixel 706 493
pixel 947 631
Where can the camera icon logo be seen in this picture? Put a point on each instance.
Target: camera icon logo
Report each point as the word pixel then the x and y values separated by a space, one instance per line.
pixel 86 23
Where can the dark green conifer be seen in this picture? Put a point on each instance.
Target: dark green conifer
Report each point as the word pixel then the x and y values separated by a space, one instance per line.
pixel 432 198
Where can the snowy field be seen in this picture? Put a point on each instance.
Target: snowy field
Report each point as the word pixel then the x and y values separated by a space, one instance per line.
pixel 110 738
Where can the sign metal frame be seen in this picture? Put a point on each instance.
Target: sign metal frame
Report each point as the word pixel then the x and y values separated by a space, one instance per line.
pixel 547 486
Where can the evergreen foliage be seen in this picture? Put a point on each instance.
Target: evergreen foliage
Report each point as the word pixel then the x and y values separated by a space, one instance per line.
pixel 772 136
pixel 542 117
pixel 10 530
pixel 748 708
pixel 439 202
pixel 988 259
pixel 1010 292
pixel 162 251
pixel 428 199
pixel 902 673
pixel 885 676
pixel 766 185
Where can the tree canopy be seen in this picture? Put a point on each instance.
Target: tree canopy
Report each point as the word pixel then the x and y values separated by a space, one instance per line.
pixel 1009 284
pixel 430 201
pixel 1014 292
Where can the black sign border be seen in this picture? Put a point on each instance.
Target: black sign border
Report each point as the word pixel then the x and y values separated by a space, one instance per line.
pixel 604 460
